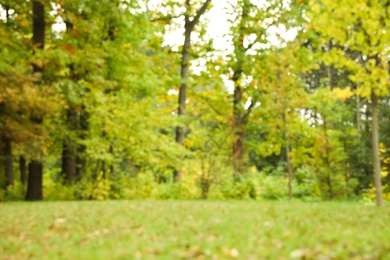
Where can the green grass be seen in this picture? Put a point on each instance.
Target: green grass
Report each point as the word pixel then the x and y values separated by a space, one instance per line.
pixel 193 230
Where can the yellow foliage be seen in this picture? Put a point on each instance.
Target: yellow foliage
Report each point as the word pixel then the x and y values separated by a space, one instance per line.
pixel 344 93
pixel 370 193
pixel 382 148
pixel 386 160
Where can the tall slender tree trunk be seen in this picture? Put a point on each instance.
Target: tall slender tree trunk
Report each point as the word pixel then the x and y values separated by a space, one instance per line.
pixel 290 167
pixel 184 77
pixel 34 185
pixel 69 149
pixel 239 121
pixel 9 172
pixel 68 162
pixel 73 156
pixel 184 72
pixel 81 161
pixel 238 127
pixel 69 145
pixel 375 150
pixel 109 173
pixel 327 161
pixel 189 26
pixel 108 166
pixel 7 8
pixel 7 150
pixel 327 148
pixel 112 164
pixel 358 119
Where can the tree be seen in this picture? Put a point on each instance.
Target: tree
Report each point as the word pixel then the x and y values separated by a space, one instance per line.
pixel 189 26
pixel 192 15
pixel 283 97
pixel 362 28
pixel 251 39
pixel 6 139
pixel 35 167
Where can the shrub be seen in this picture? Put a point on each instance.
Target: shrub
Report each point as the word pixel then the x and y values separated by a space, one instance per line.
pixel 13 193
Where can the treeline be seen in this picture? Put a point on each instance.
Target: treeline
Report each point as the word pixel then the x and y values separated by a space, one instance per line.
pixel 94 105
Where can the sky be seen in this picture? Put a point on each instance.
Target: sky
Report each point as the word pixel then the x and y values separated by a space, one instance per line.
pixel 217 29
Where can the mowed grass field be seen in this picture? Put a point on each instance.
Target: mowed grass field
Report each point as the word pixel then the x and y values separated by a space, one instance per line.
pixel 193 230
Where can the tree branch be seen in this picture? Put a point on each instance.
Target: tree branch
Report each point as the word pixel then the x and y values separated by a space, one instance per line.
pixel 199 13
pixel 210 105
pixel 249 109
pixel 165 18
pixel 257 38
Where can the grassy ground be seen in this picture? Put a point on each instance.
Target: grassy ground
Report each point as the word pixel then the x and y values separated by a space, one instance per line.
pixel 193 230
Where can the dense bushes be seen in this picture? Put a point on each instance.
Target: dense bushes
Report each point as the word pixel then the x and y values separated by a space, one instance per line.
pixel 271 184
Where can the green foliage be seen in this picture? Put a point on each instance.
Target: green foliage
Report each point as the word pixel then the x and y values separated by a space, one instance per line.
pixel 54 189
pixel 57 191
pixel 13 193
pixel 105 104
pixel 306 184
pixel 232 189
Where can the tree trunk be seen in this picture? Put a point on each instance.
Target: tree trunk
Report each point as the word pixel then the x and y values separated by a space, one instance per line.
pixel 290 168
pixel 23 170
pixel 327 162
pixel 34 188
pixel 184 77
pixel 112 166
pixel 7 152
pixel 68 162
pixel 69 150
pixel 239 121
pixel 238 146
pixel 238 126
pixel 81 161
pixel 183 87
pixel 69 145
pixel 38 27
pixel 6 7
pixel 375 151
pixel 189 26
pixel 358 119
pixel 35 168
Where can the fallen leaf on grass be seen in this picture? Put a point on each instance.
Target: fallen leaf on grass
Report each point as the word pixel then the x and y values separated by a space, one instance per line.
pixel 60 220
pixel 231 252
pixel 192 253
pixel 298 253
pixel 139 229
pixel 57 223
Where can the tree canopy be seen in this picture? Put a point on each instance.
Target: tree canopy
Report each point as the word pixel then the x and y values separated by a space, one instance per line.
pixel 97 103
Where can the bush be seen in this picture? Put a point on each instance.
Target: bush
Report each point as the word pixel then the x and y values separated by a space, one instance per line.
pixel 274 188
pixel 58 191
pixel 305 184
pixel 13 193
pixel 53 187
pixel 370 195
pixel 168 191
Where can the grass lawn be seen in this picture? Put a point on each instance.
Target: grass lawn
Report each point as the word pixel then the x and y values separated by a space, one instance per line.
pixel 193 230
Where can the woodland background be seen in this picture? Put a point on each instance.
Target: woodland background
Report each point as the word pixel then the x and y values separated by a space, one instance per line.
pixel 105 109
